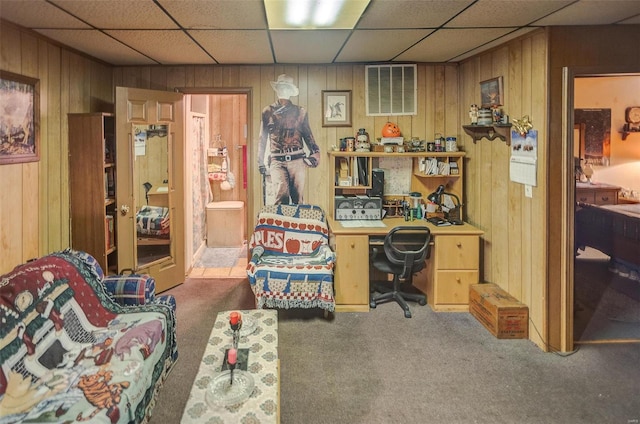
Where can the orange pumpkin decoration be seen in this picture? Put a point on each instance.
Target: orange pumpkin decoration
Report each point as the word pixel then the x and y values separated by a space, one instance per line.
pixel 391 130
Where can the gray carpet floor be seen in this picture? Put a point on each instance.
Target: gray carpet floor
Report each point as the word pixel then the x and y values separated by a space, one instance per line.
pixel 380 367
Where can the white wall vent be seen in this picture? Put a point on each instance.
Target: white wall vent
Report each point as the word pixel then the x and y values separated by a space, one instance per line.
pixel 391 90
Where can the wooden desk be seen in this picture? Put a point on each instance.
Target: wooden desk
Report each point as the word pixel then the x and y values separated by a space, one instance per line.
pixel 452 267
pixel 597 194
pixel 159 196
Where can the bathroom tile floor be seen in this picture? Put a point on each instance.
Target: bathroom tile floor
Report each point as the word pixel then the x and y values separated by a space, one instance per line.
pixel 237 271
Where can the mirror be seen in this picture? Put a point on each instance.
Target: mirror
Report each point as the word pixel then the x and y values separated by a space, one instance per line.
pixel 151 193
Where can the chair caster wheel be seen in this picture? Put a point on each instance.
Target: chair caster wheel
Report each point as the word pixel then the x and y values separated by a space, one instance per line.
pixel 422 302
pixel 372 305
pixel 407 314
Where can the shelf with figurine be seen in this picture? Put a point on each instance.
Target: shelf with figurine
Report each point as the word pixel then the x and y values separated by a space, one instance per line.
pixel 489 124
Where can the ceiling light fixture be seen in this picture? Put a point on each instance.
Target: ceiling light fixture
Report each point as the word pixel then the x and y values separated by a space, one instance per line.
pixel 317 13
pixel 312 14
pixel 326 12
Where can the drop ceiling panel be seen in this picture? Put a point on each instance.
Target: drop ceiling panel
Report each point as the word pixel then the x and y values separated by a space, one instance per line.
pixel 387 30
pixel 228 46
pixel 307 46
pixel 410 13
pixel 166 47
pixel 219 14
pixel 379 45
pixel 491 13
pixel 118 14
pixel 38 14
pixel 97 44
pixel 445 44
pixel 593 12
pixel 501 40
pixel 634 20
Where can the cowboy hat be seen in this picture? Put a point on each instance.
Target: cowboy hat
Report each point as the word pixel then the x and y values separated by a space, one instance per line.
pixel 284 85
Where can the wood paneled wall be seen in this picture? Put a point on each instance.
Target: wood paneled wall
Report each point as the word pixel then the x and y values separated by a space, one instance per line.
pixel 438 92
pixel 34 205
pixel 514 242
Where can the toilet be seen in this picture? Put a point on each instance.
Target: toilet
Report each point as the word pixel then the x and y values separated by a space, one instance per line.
pixel 225 224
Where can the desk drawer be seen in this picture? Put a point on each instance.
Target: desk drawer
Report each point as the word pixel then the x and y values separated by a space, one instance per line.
pixel 457 252
pixel 585 196
pixel 452 287
pixel 606 197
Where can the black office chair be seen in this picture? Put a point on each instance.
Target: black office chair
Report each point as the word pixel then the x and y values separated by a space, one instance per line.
pixel 406 248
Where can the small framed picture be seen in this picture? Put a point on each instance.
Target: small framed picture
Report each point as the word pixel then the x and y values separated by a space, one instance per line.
pixel 19 118
pixel 336 106
pixel 491 93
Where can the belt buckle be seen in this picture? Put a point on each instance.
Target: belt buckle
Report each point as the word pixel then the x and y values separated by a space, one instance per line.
pixel 287 158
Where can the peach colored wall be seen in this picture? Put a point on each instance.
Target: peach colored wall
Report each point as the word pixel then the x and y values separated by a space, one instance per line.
pixel 615 93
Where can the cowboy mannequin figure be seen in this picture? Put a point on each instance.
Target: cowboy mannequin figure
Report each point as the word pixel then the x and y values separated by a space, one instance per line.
pixel 285 131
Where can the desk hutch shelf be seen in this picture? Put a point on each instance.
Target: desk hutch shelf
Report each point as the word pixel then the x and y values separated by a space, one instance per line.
pixel 342 169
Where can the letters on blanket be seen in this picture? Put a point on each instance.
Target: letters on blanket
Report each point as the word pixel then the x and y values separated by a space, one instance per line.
pixel 291 264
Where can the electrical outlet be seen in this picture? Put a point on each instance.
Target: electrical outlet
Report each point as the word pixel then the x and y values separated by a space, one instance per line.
pixel 528 191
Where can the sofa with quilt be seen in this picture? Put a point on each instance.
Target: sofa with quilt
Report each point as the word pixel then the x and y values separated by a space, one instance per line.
pixel 291 263
pixel 78 346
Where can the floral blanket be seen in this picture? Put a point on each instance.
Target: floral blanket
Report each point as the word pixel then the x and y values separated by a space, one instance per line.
pixel 69 353
pixel 291 263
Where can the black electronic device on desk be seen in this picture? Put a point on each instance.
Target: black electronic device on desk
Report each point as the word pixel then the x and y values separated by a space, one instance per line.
pixel 438 222
pixel 357 207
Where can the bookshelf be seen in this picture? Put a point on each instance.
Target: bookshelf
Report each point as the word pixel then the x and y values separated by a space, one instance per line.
pixel 92 187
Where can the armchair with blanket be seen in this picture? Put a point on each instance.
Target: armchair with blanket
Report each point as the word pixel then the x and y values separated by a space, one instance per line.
pixel 291 262
pixel 76 346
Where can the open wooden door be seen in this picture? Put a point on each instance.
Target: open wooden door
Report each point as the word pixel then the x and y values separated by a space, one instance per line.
pixel 150 184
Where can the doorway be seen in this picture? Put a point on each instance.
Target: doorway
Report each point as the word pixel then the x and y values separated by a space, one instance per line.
pixel 604 303
pixel 218 131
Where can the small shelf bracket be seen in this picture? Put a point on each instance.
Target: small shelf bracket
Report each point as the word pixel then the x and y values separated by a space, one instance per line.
pixel 490 132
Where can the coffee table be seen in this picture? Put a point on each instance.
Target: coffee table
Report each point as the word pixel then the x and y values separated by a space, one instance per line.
pixel 262 364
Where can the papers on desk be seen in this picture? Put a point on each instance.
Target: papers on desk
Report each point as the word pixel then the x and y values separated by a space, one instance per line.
pixel 162 189
pixel 363 223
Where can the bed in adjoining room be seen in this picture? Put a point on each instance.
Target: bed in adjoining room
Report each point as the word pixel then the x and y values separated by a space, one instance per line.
pixel 615 231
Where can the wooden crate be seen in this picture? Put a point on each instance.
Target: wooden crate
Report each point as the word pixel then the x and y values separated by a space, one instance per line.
pixel 502 314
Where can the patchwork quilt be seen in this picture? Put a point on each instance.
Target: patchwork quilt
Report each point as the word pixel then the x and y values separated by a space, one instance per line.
pixel 152 221
pixel 291 262
pixel 69 353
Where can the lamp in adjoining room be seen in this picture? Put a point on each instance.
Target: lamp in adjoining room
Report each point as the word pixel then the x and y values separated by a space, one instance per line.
pixel 147 187
pixel 451 212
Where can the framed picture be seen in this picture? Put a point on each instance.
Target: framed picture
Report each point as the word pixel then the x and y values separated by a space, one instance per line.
pixel 336 105
pixel 19 118
pixel 491 93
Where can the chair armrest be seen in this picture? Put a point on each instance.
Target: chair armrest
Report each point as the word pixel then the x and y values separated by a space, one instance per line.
pixel 328 254
pixel 166 299
pixel 256 254
pixel 131 290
